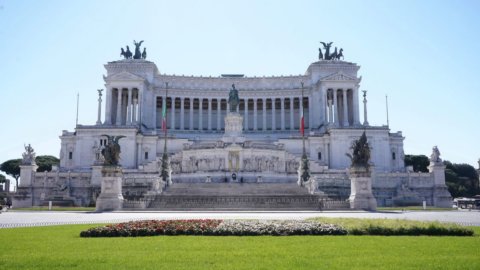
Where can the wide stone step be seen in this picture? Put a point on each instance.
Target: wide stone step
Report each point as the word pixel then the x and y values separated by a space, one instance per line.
pixel 236 202
pixel 216 189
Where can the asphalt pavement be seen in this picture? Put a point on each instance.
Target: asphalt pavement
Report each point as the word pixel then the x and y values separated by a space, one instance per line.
pixel 12 219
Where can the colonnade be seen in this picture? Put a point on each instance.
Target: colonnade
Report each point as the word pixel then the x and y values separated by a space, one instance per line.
pixel 260 114
pixel 123 106
pixel 339 109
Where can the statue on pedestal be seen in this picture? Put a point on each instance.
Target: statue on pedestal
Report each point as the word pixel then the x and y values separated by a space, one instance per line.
pixel 233 99
pixel 361 152
pixel 435 156
pixel 111 152
pixel 28 155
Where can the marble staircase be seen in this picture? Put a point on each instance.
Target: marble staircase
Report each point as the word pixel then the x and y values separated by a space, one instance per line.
pixel 236 196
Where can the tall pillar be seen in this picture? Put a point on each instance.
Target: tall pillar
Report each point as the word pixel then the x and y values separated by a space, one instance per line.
pixel 264 115
pixel 274 119
pixel 345 108
pixel 200 114
pixel 129 107
pixel 356 109
pixel 99 120
pixel 172 114
pixel 219 108
pixel 245 114
pixel 108 109
pixel 209 119
pixel 335 107
pixel 140 106
pixel 134 110
pixel 282 113
pixel 310 114
pixel 254 114
pixel 119 107
pixel 182 113
pixel 327 107
pixel 292 126
pixel 365 120
pixel 228 108
pixel 190 124
pixel 330 112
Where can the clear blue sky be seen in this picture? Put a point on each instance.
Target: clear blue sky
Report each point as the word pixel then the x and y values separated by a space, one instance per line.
pixel 422 54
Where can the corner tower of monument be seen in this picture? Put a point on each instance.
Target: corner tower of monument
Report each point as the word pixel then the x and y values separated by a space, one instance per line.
pixel 129 92
pixel 335 86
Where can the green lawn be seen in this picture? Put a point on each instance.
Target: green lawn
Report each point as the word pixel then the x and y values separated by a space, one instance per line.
pixel 60 247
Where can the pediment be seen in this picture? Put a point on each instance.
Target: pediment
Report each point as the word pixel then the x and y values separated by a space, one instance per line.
pixel 339 76
pixel 124 76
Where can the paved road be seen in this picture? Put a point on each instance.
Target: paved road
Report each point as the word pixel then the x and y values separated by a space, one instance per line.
pixel 45 218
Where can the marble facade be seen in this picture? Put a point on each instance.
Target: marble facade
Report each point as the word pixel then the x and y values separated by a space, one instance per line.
pixel 260 142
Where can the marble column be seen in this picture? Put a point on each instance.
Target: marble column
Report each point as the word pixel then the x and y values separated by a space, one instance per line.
pixel 365 119
pixel 182 113
pixel 129 107
pixel 330 111
pixel 356 109
pixel 292 125
pixel 99 118
pixel 172 114
pixel 282 113
pixel 209 119
pixel 219 110
pixel 335 108
pixel 255 114
pixel 264 115
pixel 200 114
pixel 140 106
pixel 274 119
pixel 108 110
pixel 134 110
pixel 245 114
pixel 190 122
pixel 228 108
pixel 345 108
pixel 119 107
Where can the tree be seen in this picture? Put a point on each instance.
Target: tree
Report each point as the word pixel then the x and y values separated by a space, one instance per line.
pixel 12 167
pixel 461 179
pixel 45 163
pixel 419 162
pixel 2 179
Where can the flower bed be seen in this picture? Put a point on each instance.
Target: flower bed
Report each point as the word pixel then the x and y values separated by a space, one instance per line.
pixel 213 227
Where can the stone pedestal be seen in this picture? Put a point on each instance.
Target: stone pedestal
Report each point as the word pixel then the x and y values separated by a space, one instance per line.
pixel 441 196
pixel 233 128
pixel 110 198
pixel 26 175
pixel 361 196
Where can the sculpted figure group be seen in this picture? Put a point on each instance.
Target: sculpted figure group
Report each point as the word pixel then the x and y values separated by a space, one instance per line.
pixel 336 55
pixel 127 54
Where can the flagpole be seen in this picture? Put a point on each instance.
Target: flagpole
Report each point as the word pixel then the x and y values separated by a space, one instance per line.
pixel 164 126
pixel 302 123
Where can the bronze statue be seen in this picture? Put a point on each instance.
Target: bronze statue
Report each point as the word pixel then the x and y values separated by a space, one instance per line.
pixel 340 54
pixel 327 46
pixel 111 152
pixel 144 53
pixel 361 152
pixel 126 54
pixel 334 55
pixel 320 55
pixel 138 54
pixel 233 99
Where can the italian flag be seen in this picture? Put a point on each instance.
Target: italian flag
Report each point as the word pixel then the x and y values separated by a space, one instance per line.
pixel 302 124
pixel 164 114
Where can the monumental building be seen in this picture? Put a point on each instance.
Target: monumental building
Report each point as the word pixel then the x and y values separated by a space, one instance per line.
pixel 185 117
